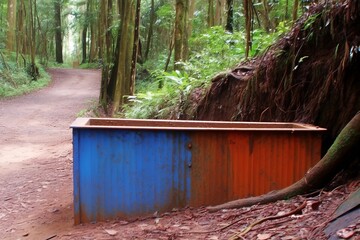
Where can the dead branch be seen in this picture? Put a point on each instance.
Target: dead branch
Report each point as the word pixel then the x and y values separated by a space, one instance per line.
pixel 247 229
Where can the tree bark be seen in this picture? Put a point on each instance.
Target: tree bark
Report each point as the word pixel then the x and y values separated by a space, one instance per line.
pixel 211 13
pixel 179 32
pixel 11 19
pixel 125 47
pixel 219 12
pixel 181 37
pixel 338 155
pixel 171 48
pixel 101 25
pixel 267 22
pixel 58 37
pixel 135 48
pixel 84 34
pixel 105 47
pixel 295 10
pixel 93 33
pixel 20 30
pixel 230 16
pixel 248 19
pixel 33 70
pixel 151 29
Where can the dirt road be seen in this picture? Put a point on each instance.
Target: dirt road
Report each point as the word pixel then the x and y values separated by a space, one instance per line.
pixel 35 155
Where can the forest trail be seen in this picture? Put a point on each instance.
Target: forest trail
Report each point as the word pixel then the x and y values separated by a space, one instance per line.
pixel 36 154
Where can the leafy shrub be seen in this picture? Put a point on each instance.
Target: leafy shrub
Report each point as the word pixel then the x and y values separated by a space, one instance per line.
pixel 14 80
pixel 161 94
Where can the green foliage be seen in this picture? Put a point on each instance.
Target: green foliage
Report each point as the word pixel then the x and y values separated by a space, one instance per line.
pixel 53 64
pixel 162 94
pixel 15 80
pixel 93 65
pixel 215 49
pixel 159 94
pixel 262 40
pixel 162 29
pixel 165 14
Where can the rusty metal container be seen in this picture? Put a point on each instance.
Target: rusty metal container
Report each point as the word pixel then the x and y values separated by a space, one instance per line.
pixel 126 168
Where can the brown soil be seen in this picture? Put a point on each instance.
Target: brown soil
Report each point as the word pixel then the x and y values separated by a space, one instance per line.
pixel 36 181
pixel 35 155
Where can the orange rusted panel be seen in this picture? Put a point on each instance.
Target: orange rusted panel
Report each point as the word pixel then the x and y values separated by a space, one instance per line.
pixel 234 164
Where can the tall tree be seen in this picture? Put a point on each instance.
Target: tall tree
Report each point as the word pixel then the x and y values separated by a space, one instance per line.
pixel 101 24
pixel 151 29
pixel 219 13
pixel 106 53
pixel 295 10
pixel 230 16
pixel 136 47
pixel 265 15
pixel 20 34
pixel 93 31
pixel 247 4
pixel 58 32
pixel 31 33
pixel 211 13
pixel 122 79
pixel 11 20
pixel 180 43
pixel 84 33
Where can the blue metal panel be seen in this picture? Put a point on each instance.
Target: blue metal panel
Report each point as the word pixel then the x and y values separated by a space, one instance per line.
pixel 76 175
pixel 123 173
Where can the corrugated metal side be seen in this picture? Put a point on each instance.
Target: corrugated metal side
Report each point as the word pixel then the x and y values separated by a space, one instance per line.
pixel 210 168
pixel 123 173
pixel 266 162
pixel 76 175
pixel 233 164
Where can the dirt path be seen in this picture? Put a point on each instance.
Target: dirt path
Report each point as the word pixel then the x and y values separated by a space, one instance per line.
pixel 35 155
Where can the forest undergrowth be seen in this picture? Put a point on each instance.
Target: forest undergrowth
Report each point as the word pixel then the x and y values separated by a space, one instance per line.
pixel 15 78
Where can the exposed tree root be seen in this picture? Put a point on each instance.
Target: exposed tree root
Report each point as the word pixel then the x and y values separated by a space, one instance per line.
pixel 248 228
pixel 336 157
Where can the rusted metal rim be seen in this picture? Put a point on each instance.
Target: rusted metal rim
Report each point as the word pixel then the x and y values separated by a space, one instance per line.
pixel 117 123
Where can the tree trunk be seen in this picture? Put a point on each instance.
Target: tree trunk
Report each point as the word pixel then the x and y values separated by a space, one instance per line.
pixel 123 62
pixel 84 34
pixel 266 18
pixel 102 25
pixel 135 48
pixel 93 44
pixel 20 30
pixel 248 19
pixel 295 10
pixel 11 20
pixel 230 16
pixel 105 49
pixel 219 12
pixel 179 34
pixel 84 43
pixel 180 43
pixel 151 29
pixel 58 30
pixel 33 69
pixel 171 48
pixel 338 155
pixel 211 14
pixel 185 43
